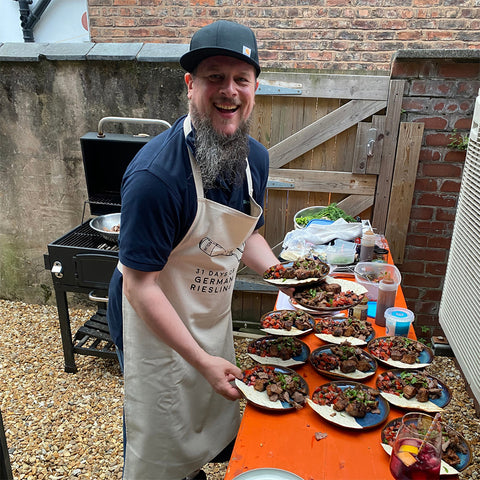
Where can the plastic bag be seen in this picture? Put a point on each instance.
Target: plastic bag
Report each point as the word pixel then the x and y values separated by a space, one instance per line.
pixel 313 238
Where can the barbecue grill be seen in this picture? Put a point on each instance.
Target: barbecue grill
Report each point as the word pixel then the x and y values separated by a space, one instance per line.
pixel 82 260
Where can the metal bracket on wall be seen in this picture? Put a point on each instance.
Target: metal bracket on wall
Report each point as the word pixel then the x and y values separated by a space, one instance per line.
pixel 285 89
pixel 281 185
pixel 372 137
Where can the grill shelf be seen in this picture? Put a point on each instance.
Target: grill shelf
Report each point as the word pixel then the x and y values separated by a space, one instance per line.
pixel 93 338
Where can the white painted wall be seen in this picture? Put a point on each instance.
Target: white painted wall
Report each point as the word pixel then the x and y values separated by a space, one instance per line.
pixel 62 21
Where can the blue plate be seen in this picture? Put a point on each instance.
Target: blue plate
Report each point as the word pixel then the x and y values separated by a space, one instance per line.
pixel 441 401
pixel 267 360
pixel 337 373
pixel 370 420
pixel 260 399
pixel 329 338
pixel 424 359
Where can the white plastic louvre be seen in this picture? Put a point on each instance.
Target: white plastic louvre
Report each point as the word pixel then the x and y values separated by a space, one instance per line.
pixel 459 313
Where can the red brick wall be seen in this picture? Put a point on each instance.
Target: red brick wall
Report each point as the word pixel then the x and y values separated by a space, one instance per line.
pixel 340 35
pixel 441 93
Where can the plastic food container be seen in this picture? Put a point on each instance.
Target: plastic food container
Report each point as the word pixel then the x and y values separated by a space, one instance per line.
pixel 398 321
pixel 369 274
pixel 342 253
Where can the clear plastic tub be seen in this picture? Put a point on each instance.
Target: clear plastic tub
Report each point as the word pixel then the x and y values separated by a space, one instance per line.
pixel 369 274
pixel 398 321
pixel 341 253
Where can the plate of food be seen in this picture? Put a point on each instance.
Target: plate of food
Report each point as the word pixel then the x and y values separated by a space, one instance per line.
pixel 287 323
pixel 303 271
pixel 343 361
pixel 282 351
pixel 272 387
pixel 267 474
pixel 413 390
pixel 400 352
pixel 331 294
pixel 349 404
pixel 353 330
pixel 456 452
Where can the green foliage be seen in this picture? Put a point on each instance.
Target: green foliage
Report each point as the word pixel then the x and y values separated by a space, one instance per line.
pixel 458 141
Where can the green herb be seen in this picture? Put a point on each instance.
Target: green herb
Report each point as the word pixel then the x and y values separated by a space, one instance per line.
pixel 332 212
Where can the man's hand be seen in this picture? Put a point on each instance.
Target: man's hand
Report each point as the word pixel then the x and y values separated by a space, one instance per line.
pixel 219 373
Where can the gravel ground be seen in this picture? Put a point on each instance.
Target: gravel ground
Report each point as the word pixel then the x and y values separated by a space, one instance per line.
pixel 69 426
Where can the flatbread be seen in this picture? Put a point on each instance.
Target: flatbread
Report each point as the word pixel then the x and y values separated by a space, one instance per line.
pixel 402 402
pixel 275 361
pixel 329 338
pixel 356 375
pixel 293 332
pixel 445 468
pixel 292 282
pixel 258 398
pixel 328 413
pixel 347 285
pixel 398 364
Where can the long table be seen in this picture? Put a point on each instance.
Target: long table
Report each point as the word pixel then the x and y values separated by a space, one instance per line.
pixel 286 440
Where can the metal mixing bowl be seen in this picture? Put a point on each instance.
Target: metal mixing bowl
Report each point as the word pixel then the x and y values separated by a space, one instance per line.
pixel 104 224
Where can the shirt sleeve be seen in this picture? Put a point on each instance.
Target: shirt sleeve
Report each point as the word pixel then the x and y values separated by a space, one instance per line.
pixel 150 221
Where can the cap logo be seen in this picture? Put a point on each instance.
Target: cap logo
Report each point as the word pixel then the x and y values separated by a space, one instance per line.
pixel 247 51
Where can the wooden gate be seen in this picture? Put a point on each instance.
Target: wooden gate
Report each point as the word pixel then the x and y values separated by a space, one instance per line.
pixel 331 138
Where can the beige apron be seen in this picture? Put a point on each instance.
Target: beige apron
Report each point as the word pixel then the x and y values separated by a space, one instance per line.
pixel 175 422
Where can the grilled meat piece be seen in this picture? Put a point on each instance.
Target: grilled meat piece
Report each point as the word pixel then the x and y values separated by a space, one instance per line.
pixel 422 395
pixel 409 358
pixel 348 366
pixel 332 287
pixel 409 391
pixel 356 409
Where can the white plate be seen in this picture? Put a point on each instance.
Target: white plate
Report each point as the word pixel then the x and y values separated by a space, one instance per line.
pixel 267 474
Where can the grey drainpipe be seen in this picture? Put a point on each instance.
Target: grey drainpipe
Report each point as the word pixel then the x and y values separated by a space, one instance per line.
pixel 28 19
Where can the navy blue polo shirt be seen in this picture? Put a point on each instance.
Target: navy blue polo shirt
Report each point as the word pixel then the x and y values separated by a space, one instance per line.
pixel 159 204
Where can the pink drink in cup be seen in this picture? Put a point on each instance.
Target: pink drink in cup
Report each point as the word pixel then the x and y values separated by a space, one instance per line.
pixel 425 467
pixel 417 449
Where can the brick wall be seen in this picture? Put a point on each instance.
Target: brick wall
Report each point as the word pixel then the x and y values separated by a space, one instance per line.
pixel 440 92
pixel 338 35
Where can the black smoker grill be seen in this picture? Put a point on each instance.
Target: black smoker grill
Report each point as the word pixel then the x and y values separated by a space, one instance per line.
pixel 82 261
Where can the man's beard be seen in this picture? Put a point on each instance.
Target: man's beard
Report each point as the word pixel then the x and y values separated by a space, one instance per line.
pixel 221 158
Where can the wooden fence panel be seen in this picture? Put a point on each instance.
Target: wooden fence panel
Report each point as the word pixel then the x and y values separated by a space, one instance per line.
pixel 317 139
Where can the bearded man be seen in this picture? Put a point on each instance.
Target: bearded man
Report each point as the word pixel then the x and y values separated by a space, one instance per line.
pixel 191 208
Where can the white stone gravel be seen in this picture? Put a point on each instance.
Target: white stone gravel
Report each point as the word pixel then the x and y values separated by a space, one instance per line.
pixel 69 426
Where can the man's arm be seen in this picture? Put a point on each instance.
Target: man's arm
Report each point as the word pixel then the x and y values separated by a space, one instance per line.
pixel 151 305
pixel 259 257
pixel 257 254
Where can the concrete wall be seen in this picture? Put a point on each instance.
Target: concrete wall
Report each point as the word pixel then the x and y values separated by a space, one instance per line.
pixel 51 95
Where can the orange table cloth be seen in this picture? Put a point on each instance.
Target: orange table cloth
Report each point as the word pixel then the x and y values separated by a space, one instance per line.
pixel 287 440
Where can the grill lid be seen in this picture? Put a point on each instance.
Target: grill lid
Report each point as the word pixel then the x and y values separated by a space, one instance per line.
pixel 105 158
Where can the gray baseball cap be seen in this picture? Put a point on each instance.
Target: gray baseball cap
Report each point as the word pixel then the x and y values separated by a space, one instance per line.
pixel 222 38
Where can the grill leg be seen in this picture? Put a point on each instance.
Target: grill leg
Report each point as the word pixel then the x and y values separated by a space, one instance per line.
pixel 65 330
